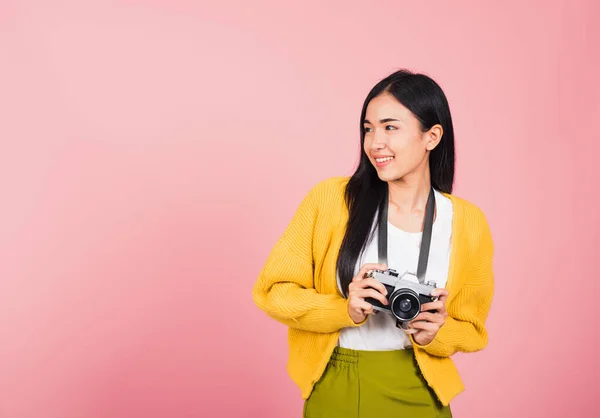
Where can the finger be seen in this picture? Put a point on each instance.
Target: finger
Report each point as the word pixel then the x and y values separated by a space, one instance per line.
pixel 365 268
pixel 441 293
pixel 429 317
pixel 424 326
pixel 361 305
pixel 371 293
pixel 373 283
pixel 432 306
pixel 363 294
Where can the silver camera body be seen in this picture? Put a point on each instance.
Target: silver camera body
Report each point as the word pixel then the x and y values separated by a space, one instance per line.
pixel 405 294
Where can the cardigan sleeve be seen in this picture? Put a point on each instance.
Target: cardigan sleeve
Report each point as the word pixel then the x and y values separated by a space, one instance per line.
pixel 285 287
pixel 464 329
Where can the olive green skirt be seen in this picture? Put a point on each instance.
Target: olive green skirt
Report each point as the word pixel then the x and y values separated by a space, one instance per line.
pixel 377 384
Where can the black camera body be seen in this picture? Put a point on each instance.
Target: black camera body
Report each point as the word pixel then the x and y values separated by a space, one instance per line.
pixel 405 294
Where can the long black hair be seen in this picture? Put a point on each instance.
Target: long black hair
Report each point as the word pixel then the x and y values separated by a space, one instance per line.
pixel 365 191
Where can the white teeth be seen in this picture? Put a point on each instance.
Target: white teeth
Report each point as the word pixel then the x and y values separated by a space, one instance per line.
pixel 382 160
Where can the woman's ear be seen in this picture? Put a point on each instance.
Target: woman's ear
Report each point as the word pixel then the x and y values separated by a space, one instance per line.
pixel 433 137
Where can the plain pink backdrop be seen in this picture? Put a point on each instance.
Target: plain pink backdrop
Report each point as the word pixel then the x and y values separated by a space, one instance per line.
pixel 152 152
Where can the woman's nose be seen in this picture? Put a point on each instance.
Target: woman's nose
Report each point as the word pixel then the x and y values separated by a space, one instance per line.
pixel 378 139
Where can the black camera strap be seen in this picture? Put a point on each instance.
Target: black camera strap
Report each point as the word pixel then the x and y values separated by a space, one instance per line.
pixel 425 241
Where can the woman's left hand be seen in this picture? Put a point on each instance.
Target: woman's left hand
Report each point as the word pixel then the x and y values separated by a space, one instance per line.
pixel 426 325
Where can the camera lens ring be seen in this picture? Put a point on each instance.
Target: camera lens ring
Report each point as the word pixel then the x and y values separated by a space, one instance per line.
pixel 405 304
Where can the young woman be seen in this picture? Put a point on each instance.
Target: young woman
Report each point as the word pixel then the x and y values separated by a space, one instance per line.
pixel 358 348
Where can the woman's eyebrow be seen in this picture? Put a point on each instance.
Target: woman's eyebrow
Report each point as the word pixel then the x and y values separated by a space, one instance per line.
pixel 384 120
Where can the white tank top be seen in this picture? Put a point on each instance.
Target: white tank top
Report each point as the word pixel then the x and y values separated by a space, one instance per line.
pixel 379 332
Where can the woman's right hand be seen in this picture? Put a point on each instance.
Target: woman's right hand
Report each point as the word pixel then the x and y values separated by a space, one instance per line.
pixel 365 287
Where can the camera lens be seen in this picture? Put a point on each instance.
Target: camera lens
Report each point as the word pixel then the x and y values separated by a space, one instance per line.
pixel 404 304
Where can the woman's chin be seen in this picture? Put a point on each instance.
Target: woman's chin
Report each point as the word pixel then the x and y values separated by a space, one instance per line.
pixel 385 175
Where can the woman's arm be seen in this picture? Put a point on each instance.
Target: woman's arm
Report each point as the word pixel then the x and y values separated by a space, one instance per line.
pixel 285 287
pixel 464 329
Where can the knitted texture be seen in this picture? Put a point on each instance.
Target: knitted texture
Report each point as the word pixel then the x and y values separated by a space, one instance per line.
pixel 297 287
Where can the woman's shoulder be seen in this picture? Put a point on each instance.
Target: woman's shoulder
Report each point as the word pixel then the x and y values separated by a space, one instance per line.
pixel 329 190
pixel 466 207
pixel 324 199
pixel 471 217
pixel 335 183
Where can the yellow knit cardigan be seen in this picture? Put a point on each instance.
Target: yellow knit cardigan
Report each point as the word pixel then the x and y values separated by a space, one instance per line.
pixel 297 287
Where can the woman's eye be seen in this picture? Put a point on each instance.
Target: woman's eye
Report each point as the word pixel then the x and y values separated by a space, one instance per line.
pixel 367 129
pixel 390 127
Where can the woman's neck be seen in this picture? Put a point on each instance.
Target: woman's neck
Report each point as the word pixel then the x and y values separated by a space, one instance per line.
pixel 409 195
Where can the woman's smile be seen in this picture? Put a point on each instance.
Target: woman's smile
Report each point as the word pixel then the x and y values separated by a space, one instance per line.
pixel 382 161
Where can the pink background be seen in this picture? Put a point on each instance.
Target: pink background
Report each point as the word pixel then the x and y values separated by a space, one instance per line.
pixel 152 152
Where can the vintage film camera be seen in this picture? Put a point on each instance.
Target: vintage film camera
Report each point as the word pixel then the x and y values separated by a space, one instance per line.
pixel 405 296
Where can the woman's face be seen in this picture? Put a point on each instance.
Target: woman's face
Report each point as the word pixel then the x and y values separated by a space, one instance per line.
pixel 394 141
